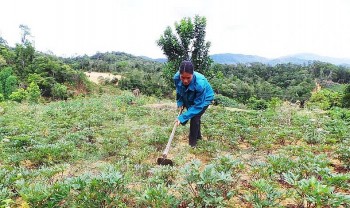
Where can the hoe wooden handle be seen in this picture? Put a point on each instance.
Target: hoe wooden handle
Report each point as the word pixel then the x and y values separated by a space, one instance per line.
pixel 165 153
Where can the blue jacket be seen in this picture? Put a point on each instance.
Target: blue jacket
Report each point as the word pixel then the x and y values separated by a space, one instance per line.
pixel 195 97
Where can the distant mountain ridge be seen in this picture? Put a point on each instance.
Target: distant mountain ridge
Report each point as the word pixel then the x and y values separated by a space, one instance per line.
pixel 300 58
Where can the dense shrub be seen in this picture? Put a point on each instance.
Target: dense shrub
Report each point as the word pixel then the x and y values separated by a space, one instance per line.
pixel 225 101
pixel 325 99
pixel 257 104
pixel 19 95
pixel 59 91
pixel 346 98
pixel 33 92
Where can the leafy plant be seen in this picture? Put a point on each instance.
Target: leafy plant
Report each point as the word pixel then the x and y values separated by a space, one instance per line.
pixel 264 194
pixel 105 189
pixel 315 194
pixel 343 152
pixel 59 91
pixel 157 196
pixel 225 101
pixel 210 187
pixel 19 95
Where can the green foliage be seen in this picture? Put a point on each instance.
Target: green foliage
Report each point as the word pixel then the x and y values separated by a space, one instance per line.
pixel 24 58
pixel 33 93
pixel 187 44
pixel 19 95
pixel 274 103
pixel 340 113
pixel 147 83
pixel 257 104
pixel 54 154
pixel 212 186
pixel 114 62
pixel 169 70
pixel 157 196
pixel 285 81
pixel 59 91
pixel 346 97
pixel 8 82
pixel 165 175
pixel 325 99
pixel 343 152
pixel 2 61
pixel 225 101
pixel 22 65
pixel 106 189
pixel 315 194
pixel 10 85
pixel 265 194
pixel 300 92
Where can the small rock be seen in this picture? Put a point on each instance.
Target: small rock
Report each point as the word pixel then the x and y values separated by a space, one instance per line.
pixel 6 140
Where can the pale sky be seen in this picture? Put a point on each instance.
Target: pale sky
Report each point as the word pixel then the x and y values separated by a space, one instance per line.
pixel 268 28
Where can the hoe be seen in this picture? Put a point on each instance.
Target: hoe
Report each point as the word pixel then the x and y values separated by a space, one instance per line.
pixel 163 160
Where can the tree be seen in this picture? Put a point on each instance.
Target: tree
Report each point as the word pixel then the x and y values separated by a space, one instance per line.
pixel 33 92
pixel 24 52
pixel 3 41
pixel 25 34
pixel 346 98
pixel 187 44
pixel 8 82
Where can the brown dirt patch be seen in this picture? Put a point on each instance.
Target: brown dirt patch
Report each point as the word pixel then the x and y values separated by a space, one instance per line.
pixel 237 109
pixel 161 106
pixel 96 76
pixel 79 169
pixel 338 166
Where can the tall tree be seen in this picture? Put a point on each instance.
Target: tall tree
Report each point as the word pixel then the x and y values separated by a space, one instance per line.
pixel 25 33
pixel 187 44
pixel 24 52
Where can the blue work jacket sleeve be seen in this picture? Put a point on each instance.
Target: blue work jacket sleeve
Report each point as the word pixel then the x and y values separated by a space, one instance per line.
pixel 179 103
pixel 196 108
pixel 179 100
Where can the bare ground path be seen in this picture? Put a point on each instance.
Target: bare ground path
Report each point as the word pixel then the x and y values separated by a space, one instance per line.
pixel 96 76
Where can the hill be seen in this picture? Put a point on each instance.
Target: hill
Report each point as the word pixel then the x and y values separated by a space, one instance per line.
pixel 300 59
pixel 229 58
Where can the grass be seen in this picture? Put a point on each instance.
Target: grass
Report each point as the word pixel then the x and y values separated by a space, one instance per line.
pixel 101 151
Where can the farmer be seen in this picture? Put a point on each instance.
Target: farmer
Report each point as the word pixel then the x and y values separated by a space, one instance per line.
pixel 193 92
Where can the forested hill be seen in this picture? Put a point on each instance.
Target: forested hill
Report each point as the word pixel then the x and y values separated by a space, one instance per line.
pixel 240 82
pixel 112 62
pixel 60 78
pixel 303 58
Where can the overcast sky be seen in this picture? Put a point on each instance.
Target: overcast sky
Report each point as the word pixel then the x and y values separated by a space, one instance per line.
pixel 268 28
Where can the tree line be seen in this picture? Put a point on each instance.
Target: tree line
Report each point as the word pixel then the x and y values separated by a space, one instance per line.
pixel 26 74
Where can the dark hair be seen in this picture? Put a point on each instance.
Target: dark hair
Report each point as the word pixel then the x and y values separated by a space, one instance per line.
pixel 186 66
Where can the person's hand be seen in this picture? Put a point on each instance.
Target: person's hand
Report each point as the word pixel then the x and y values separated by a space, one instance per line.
pixel 179 108
pixel 177 122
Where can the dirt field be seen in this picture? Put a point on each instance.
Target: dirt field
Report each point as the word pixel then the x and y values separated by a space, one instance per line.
pixel 94 76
